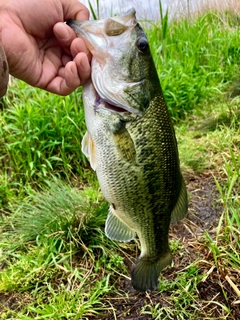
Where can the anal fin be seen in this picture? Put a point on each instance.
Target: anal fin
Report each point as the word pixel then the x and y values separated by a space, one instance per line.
pixel 181 207
pixel 117 230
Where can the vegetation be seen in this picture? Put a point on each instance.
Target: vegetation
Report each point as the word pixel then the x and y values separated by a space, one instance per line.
pixel 55 260
pixel 193 64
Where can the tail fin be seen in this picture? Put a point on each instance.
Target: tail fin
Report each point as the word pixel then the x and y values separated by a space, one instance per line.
pixel 146 272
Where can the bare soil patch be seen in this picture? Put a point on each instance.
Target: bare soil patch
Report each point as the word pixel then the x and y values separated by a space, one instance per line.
pixel 203 215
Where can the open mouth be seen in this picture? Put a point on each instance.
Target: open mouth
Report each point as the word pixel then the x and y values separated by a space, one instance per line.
pixel 114 108
pixel 101 103
pixel 107 103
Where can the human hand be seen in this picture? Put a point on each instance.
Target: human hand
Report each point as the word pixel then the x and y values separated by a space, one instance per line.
pixel 40 49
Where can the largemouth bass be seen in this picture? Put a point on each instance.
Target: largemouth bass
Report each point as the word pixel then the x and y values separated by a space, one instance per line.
pixel 131 143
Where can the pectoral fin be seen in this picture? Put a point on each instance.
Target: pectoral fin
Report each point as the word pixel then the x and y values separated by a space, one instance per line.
pixel 88 149
pixel 181 207
pixel 117 230
pixel 126 147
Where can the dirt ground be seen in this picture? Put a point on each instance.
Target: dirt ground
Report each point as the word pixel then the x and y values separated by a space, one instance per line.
pixel 203 214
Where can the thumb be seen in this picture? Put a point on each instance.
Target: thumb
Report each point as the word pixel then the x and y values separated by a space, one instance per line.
pixel 73 9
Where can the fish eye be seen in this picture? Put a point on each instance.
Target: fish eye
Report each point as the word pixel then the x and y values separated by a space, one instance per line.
pixel 142 44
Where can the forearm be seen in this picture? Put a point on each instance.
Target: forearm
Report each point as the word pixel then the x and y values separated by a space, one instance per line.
pixel 3 72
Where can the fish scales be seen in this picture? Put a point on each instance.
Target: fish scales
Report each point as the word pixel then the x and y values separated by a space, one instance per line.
pixel 131 143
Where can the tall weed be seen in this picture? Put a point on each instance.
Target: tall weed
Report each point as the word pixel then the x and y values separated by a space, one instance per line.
pixel 41 134
pixel 195 59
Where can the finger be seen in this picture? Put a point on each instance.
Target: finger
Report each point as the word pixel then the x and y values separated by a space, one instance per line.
pixel 65 59
pixel 83 67
pixel 67 82
pixel 83 14
pixel 74 9
pixel 71 77
pixel 78 45
pixel 64 34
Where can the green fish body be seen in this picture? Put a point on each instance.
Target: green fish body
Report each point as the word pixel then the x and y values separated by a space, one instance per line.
pixel 131 143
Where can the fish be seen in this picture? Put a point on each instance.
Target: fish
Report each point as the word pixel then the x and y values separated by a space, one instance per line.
pixel 131 143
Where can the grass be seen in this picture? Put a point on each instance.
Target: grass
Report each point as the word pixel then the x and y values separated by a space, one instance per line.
pixel 37 133
pixel 193 65
pixel 55 260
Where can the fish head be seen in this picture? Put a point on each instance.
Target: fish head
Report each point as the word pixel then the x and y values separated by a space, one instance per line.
pixel 123 72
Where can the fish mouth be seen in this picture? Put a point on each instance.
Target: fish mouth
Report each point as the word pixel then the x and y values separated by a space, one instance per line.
pixel 115 108
pixel 104 105
pixel 101 103
pixel 111 98
pixel 95 33
pixel 113 91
